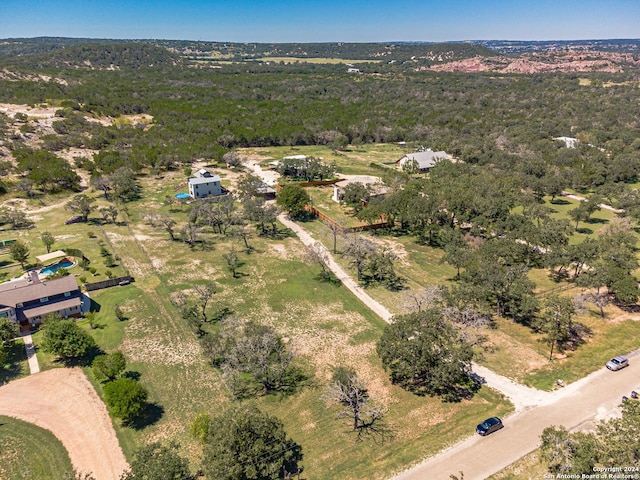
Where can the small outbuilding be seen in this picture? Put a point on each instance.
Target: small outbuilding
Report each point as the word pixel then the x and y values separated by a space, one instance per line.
pixel 569 142
pixel 43 259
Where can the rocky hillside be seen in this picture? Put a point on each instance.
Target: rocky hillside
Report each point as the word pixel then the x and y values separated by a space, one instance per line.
pixel 567 61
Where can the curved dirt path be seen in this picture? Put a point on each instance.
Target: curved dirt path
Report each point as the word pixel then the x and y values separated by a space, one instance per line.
pixel 578 406
pixel 582 199
pixel 64 402
pixel 521 396
pixel 338 271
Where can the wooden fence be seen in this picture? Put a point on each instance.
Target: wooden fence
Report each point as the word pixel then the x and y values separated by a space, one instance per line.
pixel 112 282
pixel 315 183
pixel 332 223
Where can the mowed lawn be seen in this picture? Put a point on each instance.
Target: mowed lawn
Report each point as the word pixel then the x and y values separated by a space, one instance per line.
pixel 560 209
pixel 31 452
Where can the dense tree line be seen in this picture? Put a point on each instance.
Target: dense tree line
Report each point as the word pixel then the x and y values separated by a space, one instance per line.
pixel 478 118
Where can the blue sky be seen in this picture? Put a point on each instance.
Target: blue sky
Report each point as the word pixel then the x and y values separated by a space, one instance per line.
pixel 322 21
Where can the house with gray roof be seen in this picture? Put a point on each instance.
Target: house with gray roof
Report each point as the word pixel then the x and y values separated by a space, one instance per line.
pixel 423 160
pixel 28 302
pixel 204 184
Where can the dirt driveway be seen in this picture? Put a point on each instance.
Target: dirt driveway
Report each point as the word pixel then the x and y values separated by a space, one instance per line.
pixel 64 402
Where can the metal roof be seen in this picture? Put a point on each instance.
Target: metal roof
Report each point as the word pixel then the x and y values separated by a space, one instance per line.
pixel 201 180
pixel 426 159
pixel 34 291
pixel 51 307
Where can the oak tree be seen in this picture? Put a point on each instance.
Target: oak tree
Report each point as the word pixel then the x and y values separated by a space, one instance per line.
pixel 244 443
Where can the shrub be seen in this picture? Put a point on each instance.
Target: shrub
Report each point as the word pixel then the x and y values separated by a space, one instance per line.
pixel 65 338
pixel 120 315
pixel 126 399
pixel 199 427
pixel 109 367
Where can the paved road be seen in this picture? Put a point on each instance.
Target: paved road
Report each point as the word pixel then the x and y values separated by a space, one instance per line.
pixel 577 406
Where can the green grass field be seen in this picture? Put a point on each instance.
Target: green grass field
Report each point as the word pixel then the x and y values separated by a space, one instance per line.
pixel 30 452
pixel 17 365
pixel 324 324
pixel 326 327
pixel 513 350
pixel 560 209
pixel 529 467
pixel 355 160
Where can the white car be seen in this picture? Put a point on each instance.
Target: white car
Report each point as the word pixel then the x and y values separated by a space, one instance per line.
pixel 617 363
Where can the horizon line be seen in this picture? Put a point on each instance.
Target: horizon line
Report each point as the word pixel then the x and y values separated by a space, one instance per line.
pixel 325 41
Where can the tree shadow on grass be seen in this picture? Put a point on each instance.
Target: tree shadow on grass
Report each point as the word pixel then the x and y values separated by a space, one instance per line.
pixel 596 220
pixel 221 314
pixel 132 375
pixel 329 277
pixel 378 432
pixel 584 230
pixel 560 201
pixel 16 354
pixel 294 381
pixel 278 234
pixel 634 308
pixel 151 415
pixel 84 361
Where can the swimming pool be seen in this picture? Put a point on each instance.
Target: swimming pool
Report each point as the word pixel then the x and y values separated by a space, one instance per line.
pixel 51 269
pixel 182 195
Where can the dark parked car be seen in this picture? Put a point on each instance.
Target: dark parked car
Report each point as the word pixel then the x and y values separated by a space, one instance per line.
pixel 490 425
pixel 617 363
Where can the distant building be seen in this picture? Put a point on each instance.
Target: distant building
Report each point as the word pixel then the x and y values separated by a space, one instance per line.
pixel 373 183
pixel 569 142
pixel 424 160
pixel 204 184
pixel 28 302
pixel 264 190
pixel 295 157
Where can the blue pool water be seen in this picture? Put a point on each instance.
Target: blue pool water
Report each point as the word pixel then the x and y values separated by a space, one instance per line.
pixel 51 269
pixel 182 195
